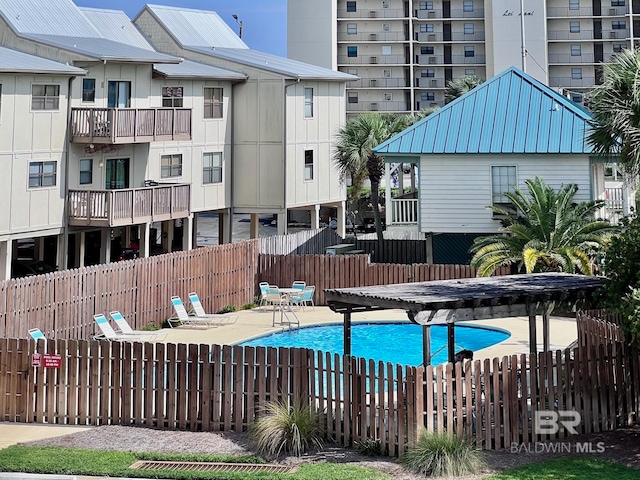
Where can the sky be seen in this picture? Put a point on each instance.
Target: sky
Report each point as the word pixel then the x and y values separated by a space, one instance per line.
pixel 264 22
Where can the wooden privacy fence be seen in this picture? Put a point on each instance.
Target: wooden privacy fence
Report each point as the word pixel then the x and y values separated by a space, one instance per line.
pixel 395 251
pixel 304 242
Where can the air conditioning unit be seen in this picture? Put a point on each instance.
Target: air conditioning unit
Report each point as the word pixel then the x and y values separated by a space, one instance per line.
pixel 373 14
pixel 432 59
pixel 432 14
pixel 373 82
pixel 613 34
pixel 373 60
pixel 432 36
pixel 434 82
pixel 373 37
pixel 374 106
pixel 612 11
pixel 433 104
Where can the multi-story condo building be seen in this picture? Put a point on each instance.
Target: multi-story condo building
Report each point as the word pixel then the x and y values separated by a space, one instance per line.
pixel 405 51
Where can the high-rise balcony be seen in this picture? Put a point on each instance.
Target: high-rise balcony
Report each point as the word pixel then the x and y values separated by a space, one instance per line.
pixel 372 13
pixel 477 36
pixel 130 206
pixel 565 12
pixel 614 34
pixel 568 59
pixel 130 125
pixel 453 14
pixel 372 37
pixel 477 59
pixel 373 60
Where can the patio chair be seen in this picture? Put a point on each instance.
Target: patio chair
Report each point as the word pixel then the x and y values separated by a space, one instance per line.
pixel 280 302
pixel 200 313
pixel 185 319
pixel 36 334
pixel 125 329
pixel 299 284
pixel 305 298
pixel 108 333
pixel 263 293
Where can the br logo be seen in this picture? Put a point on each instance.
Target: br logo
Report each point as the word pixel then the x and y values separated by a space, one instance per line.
pixel 548 422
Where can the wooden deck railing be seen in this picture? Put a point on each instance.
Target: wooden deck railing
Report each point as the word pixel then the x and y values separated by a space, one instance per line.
pixel 129 206
pixel 130 125
pixel 404 211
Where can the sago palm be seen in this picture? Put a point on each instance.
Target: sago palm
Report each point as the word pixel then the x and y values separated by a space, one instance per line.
pixel 549 233
pixel 615 105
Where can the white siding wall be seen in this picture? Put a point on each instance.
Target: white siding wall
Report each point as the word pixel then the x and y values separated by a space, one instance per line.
pixel 26 136
pixel 454 191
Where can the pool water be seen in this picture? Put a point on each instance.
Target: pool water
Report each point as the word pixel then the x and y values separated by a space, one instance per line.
pixel 399 343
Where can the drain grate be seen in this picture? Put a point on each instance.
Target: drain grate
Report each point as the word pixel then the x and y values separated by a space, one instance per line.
pixel 211 467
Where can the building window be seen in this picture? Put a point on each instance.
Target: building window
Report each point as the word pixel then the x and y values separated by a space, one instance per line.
pixel 119 94
pixel 386 73
pixel 430 28
pixel 352 28
pixel 576 73
pixel 423 28
pixel 352 51
pixel 212 102
pixel 86 171
pixel 470 71
pixel 429 6
pixel 618 47
pixel 503 180
pixel 423 5
pixel 171 166
pixel 386 27
pixel 618 25
pixel 308 164
pixel 352 97
pixel 386 50
pixel 351 6
pixel 574 27
pixel 427 72
pixel 467 6
pixel 388 97
pixel 574 4
pixel 617 3
pixel 576 50
pixel 88 89
pixel 172 96
pixel 308 102
pixel 468 28
pixel 211 168
pixel 42 174
pixel 428 96
pixel 427 50
pixel 45 97
pixel 385 4
pixel 469 51
pixel 352 71
pixel 576 97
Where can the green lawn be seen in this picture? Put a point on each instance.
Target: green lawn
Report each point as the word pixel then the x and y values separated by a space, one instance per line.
pixel 570 468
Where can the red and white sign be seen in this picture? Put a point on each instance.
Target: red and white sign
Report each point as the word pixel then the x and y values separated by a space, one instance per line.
pixel 46 360
pixel 36 360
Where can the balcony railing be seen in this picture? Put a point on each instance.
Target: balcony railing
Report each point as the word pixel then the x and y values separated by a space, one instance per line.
pixel 619 34
pixel 586 12
pixel 372 13
pixel 372 37
pixel 379 83
pixel 113 208
pixel 404 211
pixel 565 58
pixel 477 36
pixel 453 14
pixel 572 82
pixel 130 125
pixel 373 60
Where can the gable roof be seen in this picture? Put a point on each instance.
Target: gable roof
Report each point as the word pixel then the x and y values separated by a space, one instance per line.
pixel 511 113
pixel 204 32
pixel 117 26
pixel 13 61
pixel 190 69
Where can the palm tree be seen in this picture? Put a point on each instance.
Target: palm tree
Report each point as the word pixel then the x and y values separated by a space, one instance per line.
pixel 615 105
pixel 459 86
pixel 354 157
pixel 549 233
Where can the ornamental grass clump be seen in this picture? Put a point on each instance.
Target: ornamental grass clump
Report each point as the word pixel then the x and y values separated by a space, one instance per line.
pixel 287 427
pixel 438 455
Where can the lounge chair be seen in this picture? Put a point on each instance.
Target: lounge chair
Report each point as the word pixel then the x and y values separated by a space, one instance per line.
pixel 108 333
pixel 200 313
pixel 263 293
pixel 280 302
pixel 305 298
pixel 36 334
pixel 125 329
pixel 185 319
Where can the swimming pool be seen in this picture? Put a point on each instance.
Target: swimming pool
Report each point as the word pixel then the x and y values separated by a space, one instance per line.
pixel 396 342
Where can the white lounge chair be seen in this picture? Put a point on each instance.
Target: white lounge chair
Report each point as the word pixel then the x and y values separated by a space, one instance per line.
pixel 108 333
pixel 200 313
pixel 263 293
pixel 36 334
pixel 185 319
pixel 125 329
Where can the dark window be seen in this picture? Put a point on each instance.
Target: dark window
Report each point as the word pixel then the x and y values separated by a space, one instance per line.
pixel 617 3
pixel 45 97
pixel 352 97
pixel 171 166
pixel 42 174
pixel 618 25
pixel 308 164
pixel 352 51
pixel 172 97
pixel 428 50
pixel 86 171
pixel 88 89
pixel 351 6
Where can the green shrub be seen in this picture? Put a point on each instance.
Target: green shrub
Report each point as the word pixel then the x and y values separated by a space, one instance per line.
pixel 287 428
pixel 370 447
pixel 227 309
pixel 437 454
pixel 151 328
pixel 248 306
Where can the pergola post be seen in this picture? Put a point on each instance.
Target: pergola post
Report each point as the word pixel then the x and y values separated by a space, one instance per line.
pixel 426 345
pixel 451 341
pixel 347 332
pixel 533 346
pixel 545 332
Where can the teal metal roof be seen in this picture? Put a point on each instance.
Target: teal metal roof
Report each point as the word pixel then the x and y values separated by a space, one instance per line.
pixel 510 113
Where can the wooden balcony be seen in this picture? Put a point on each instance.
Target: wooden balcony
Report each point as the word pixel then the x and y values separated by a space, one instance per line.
pixel 130 125
pixel 404 211
pixel 131 206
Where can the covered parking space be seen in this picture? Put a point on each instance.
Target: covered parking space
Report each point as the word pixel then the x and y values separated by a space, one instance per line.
pixel 451 301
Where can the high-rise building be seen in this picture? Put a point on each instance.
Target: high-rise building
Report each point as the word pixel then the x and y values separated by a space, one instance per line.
pixel 405 51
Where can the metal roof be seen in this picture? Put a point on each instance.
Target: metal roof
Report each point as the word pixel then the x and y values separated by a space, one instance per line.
pixel 196 27
pixel 189 69
pixel 117 26
pixel 273 63
pixel 510 113
pixel 13 61
pixel 104 49
pixel 50 17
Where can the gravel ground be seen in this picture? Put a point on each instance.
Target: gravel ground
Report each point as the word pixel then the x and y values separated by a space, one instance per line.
pixel 622 446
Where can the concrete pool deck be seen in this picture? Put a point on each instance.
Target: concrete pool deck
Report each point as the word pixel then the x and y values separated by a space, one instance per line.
pixel 257 322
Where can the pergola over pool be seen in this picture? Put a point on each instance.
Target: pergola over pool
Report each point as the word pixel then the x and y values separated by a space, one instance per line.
pixel 451 301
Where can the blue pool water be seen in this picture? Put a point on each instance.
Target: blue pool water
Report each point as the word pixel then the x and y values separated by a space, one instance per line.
pixel 388 342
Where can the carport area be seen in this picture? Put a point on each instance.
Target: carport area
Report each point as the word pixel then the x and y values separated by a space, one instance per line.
pixel 451 301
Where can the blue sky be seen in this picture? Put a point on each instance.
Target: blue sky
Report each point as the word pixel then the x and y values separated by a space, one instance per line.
pixel 264 21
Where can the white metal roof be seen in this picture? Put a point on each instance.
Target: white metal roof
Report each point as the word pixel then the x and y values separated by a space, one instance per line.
pixel 196 27
pixel 46 17
pixel 115 25
pixel 13 61
pixel 189 69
